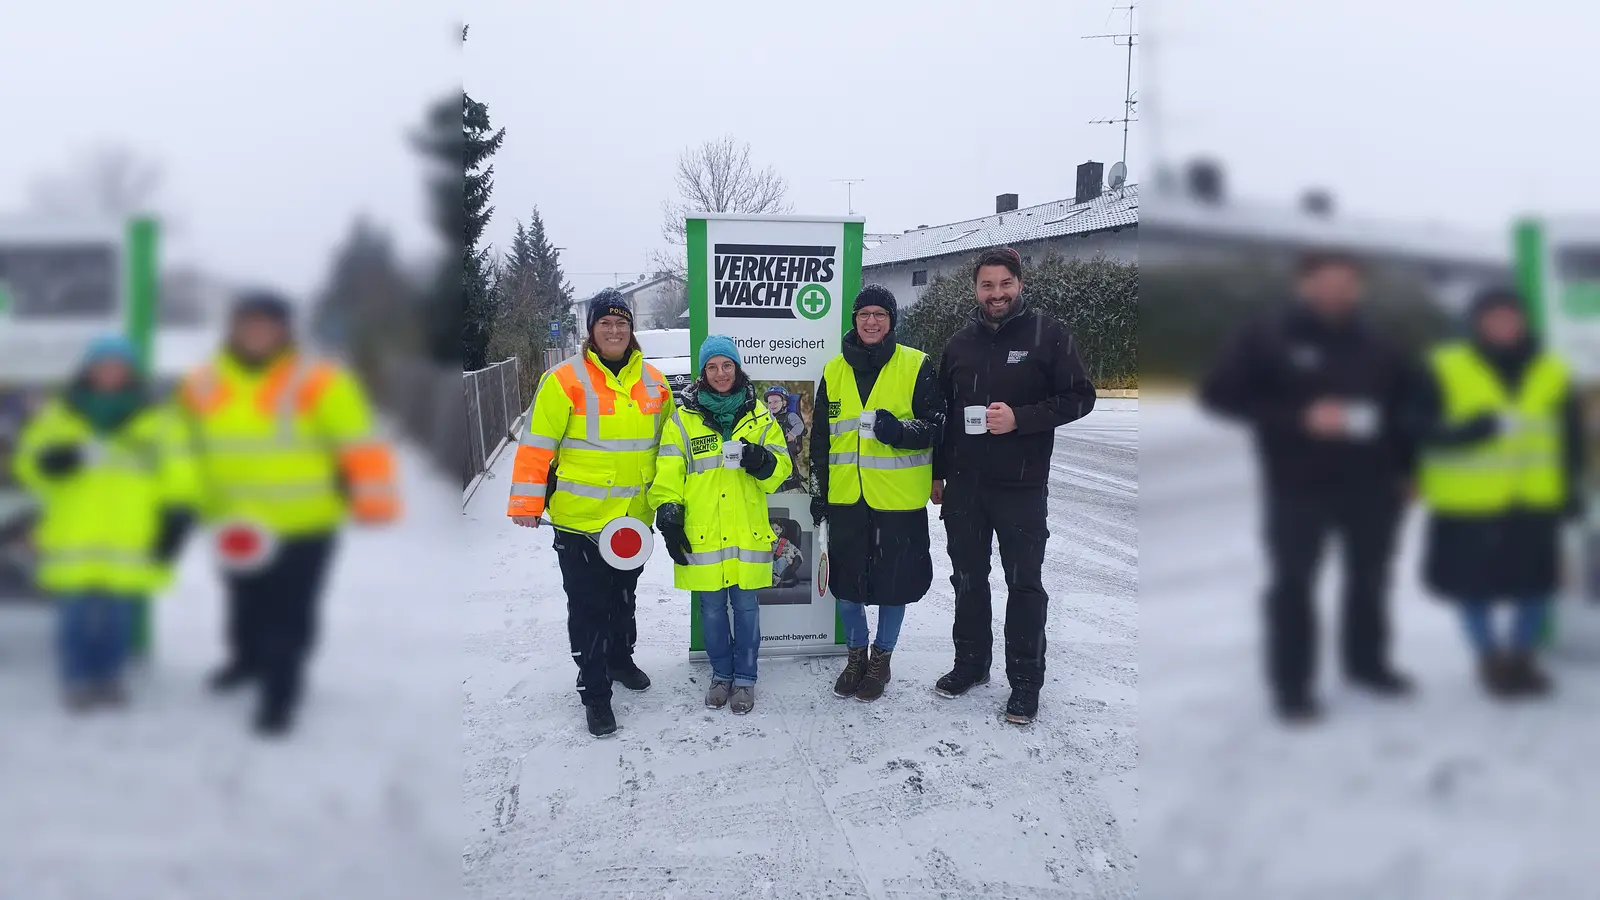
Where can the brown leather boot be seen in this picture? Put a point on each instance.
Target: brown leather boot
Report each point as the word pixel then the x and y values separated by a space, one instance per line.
pixel 850 679
pixel 877 677
pixel 1525 677
pixel 1494 671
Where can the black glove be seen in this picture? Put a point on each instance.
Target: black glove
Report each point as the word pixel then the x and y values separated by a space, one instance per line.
pixel 755 460
pixel 669 521
pixel 60 460
pixel 887 429
pixel 819 511
pixel 175 526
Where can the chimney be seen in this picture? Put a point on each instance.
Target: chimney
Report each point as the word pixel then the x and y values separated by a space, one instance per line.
pixel 1091 175
pixel 1005 203
pixel 1204 180
pixel 1317 202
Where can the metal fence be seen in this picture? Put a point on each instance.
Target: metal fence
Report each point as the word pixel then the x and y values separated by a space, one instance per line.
pixel 494 404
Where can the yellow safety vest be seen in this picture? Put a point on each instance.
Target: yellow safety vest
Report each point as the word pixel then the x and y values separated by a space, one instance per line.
pixel 725 510
pixel 98 525
pixel 888 478
pixel 598 433
pixel 1519 468
pixel 290 447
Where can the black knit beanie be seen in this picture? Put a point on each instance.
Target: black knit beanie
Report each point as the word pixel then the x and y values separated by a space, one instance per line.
pixel 877 295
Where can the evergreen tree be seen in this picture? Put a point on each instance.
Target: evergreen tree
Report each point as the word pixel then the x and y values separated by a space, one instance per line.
pixel 479 307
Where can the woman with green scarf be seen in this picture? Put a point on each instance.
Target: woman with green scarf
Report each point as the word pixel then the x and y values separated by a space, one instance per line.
pixel 116 482
pixel 721 454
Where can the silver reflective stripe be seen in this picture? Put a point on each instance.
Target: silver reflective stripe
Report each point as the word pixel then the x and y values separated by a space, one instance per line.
pixel 671 450
pixel 291 390
pixel 842 459
pixel 591 399
pixel 275 491
pixel 280 443
pixel 896 462
pixel 542 442
pixel 527 489
pixel 711 557
pixel 613 445
pixel 595 491
pixel 844 427
pixel 94 555
pixel 705 464
pixel 682 429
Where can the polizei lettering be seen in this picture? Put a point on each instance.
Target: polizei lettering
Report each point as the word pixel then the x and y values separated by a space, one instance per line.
pixel 759 281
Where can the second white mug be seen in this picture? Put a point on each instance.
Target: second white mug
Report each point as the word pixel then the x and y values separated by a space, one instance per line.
pixel 977 419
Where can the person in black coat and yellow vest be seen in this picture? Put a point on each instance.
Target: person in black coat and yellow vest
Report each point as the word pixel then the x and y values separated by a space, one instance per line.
pixel 872 473
pixel 1501 470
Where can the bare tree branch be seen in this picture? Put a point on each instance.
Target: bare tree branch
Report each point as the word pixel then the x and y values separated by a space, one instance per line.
pixel 112 182
pixel 717 176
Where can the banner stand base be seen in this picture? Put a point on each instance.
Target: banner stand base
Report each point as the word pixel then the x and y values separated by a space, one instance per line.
pixel 786 653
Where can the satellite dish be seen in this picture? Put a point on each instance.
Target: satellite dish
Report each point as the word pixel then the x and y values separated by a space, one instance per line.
pixel 1119 174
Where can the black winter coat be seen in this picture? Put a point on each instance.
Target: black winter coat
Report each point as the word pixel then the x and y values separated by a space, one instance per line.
pixel 1030 363
pixel 1277 366
pixel 877 557
pixel 1513 556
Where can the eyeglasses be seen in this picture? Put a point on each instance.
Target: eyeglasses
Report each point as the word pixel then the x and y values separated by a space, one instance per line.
pixel 872 316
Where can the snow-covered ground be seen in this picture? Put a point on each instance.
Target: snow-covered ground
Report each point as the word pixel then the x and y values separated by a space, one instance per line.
pixel 810 796
pixel 173 799
pixel 1446 796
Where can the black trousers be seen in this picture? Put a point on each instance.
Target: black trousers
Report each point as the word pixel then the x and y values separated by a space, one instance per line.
pixel 600 614
pixel 1298 523
pixel 272 617
pixel 973 516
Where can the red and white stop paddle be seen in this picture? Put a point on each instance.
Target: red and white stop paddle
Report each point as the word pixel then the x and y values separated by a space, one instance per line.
pixel 626 543
pixel 821 578
pixel 245 546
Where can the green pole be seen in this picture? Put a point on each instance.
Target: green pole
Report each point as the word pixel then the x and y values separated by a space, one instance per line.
pixel 1528 243
pixel 140 259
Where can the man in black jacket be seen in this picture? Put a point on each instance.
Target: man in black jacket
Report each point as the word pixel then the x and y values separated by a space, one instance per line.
pixel 1022 369
pixel 1325 395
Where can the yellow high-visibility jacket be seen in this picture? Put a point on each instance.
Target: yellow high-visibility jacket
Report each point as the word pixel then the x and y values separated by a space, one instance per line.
pixel 597 434
pixel 1522 466
pixel 890 479
pixel 99 525
pixel 724 510
pixel 291 446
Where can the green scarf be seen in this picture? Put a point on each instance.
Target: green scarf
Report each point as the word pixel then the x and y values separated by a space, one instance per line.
pixel 105 411
pixel 722 410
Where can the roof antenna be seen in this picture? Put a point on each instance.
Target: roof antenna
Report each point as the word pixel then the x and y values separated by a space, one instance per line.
pixel 1128 39
pixel 848 201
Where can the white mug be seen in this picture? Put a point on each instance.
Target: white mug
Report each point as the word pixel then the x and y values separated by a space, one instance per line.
pixel 1361 419
pixel 732 453
pixel 976 418
pixel 869 418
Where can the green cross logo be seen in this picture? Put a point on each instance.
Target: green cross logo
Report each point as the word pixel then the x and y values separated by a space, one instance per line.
pixel 813 301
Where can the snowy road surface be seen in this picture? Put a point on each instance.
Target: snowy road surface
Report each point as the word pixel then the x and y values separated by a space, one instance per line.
pixel 811 796
pixel 172 799
pixel 1446 796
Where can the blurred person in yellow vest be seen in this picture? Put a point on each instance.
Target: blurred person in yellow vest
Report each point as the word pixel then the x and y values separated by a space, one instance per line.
pixel 588 458
pixel 116 482
pixel 1502 462
pixel 288 449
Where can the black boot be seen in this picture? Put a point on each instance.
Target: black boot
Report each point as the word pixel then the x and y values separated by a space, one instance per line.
pixel 1524 676
pixel 960 680
pixel 1023 706
pixel 602 722
pixel 1494 673
pixel 274 720
pixel 877 677
pixel 630 676
pixel 1298 709
pixel 229 677
pixel 1384 682
pixel 854 670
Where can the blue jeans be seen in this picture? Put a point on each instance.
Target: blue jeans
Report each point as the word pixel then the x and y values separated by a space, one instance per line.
pixel 732 655
pixel 94 637
pixel 1526 624
pixel 890 618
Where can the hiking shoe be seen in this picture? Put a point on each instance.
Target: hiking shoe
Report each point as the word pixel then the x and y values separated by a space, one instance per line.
pixel 1524 676
pixel 229 677
pixel 602 722
pixel 631 677
pixel 79 698
pixel 1384 682
pixel 1299 709
pixel 112 693
pixel 717 696
pixel 877 677
pixel 854 670
pixel 744 699
pixel 1494 673
pixel 273 720
pixel 958 681
pixel 1023 706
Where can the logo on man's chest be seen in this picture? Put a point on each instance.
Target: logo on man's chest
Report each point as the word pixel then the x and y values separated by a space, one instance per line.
pixel 707 443
pixel 1016 356
pixel 833 409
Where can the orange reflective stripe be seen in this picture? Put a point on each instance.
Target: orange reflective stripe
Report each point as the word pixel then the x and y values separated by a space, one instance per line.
pixel 277 379
pixel 608 397
pixel 568 380
pixel 202 392
pixel 375 507
pixel 368 463
pixel 530 467
pixel 317 381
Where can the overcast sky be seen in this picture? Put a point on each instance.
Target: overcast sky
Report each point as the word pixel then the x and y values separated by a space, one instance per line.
pixel 1461 112
pixel 275 123
pixel 938 104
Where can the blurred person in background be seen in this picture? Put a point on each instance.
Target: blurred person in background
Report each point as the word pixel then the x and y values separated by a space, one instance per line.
pixel 713 517
pixel 1021 371
pixel 116 482
pixel 776 398
pixel 288 448
pixel 1324 395
pixel 873 492
pixel 588 457
pixel 1501 469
